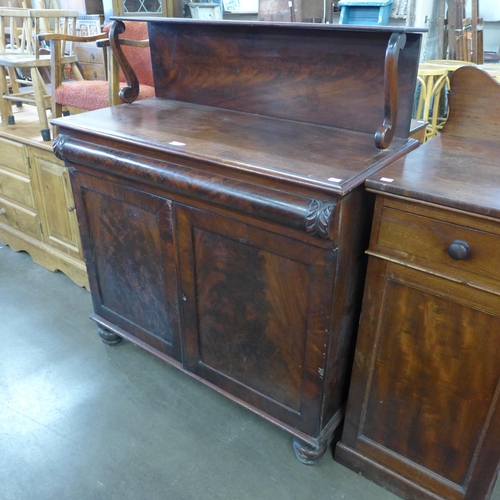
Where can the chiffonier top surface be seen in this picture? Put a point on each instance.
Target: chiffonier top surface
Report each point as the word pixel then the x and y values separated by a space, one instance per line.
pixel 461 168
pixel 330 159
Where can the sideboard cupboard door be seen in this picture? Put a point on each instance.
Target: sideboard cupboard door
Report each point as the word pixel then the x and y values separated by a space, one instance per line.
pixel 127 241
pixel 425 385
pixel 55 202
pixel 256 313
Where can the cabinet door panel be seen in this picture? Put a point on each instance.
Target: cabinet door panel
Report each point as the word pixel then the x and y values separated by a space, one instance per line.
pixel 252 314
pixel 431 377
pixel 127 239
pixel 57 211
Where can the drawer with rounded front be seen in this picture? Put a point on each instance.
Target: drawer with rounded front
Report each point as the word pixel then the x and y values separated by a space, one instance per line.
pixel 462 247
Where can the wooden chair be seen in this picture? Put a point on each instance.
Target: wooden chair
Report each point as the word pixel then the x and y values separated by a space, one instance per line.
pixel 90 95
pixel 13 41
pixel 29 55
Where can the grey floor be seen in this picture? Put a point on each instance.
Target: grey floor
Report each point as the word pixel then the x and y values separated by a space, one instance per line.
pixel 82 420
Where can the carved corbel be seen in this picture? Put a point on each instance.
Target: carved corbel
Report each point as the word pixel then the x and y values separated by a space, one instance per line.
pixel 385 133
pixel 130 92
pixel 318 218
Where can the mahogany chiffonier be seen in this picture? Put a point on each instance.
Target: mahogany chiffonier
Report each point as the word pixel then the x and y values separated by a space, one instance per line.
pixel 423 414
pixel 224 222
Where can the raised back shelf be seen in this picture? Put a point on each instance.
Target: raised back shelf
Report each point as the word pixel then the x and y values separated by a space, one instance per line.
pixel 353 78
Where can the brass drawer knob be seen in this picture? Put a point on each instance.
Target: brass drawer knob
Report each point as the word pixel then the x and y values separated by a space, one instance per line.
pixel 459 250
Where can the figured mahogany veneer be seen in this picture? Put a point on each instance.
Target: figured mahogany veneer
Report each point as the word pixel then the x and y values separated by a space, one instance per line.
pixel 224 222
pixel 423 415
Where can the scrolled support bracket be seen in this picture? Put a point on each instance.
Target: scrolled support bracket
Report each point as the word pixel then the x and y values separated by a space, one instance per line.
pixel 130 92
pixel 385 133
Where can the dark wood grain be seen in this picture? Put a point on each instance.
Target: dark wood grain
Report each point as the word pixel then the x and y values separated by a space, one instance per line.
pixel 385 133
pixel 127 243
pixel 279 150
pixel 304 74
pixel 465 154
pixel 224 222
pixel 473 114
pixel 253 314
pixel 423 413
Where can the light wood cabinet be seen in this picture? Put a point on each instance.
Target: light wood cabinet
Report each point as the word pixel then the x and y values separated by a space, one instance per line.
pixel 37 211
pixel 18 215
pixel 55 201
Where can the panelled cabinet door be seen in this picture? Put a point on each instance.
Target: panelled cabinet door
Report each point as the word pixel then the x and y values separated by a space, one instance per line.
pixel 127 241
pixel 426 382
pixel 255 313
pixel 57 208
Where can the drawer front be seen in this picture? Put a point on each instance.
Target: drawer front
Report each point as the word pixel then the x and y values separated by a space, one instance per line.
pixel 424 235
pixel 93 71
pixel 89 54
pixel 13 155
pixel 16 188
pixel 19 218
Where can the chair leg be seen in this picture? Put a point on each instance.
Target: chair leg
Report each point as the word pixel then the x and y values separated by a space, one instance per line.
pixel 14 85
pixel 77 75
pixel 5 106
pixel 40 91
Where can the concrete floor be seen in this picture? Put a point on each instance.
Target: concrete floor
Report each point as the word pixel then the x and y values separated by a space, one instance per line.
pixel 82 420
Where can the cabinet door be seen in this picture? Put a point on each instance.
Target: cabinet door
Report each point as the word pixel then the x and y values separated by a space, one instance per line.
pixel 127 241
pixel 256 314
pixel 424 398
pixel 55 202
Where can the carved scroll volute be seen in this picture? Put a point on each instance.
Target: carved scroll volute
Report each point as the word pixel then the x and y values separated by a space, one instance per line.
pixel 130 92
pixel 385 133
pixel 58 145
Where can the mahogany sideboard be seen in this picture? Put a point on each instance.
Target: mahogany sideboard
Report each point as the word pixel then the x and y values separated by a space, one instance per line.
pixel 224 222
pixel 423 414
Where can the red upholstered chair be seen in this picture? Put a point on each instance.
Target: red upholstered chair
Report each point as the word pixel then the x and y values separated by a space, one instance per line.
pixel 93 94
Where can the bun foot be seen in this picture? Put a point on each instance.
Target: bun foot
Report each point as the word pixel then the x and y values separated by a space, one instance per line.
pixel 108 337
pixel 307 453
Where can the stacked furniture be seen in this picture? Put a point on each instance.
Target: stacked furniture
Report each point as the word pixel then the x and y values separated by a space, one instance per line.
pixel 423 415
pixel 224 222
pixel 24 52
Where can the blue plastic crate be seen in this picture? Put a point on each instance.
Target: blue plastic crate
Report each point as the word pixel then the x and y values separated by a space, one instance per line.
pixel 367 12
